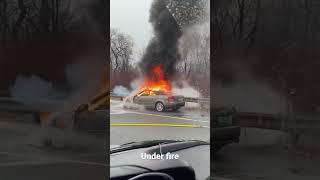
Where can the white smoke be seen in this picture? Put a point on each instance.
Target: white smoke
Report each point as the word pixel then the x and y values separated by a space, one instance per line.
pixel 135 84
pixel 34 88
pixel 185 90
pixel 82 78
pixel 248 94
pixel 121 91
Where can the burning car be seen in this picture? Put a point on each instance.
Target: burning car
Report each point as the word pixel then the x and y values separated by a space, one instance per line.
pixel 158 100
pixel 155 93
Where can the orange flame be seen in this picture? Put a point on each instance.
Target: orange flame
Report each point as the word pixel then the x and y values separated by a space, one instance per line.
pixel 156 81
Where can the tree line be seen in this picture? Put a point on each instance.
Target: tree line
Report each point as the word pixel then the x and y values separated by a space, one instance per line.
pixel 276 39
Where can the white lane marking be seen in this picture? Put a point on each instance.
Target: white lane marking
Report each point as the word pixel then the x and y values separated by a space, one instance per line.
pixel 181 118
pixel 205 127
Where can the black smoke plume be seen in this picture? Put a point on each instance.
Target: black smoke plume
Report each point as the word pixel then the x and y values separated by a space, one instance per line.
pixel 163 47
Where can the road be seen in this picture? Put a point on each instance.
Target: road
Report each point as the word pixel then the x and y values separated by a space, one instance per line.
pixel 53 171
pixel 72 156
pixel 261 155
pixel 129 125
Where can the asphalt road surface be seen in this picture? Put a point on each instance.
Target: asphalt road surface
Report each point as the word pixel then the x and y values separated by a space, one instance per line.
pixel 23 156
pixel 263 157
pixel 137 124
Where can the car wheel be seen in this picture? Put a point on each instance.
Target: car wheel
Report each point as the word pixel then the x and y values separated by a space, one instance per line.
pixel 159 107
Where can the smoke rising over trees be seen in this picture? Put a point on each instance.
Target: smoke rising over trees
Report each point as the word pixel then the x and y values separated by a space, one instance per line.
pixel 182 50
pixel 163 47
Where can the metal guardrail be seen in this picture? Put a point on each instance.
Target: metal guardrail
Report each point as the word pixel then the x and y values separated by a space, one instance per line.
pixel 257 120
pixel 14 104
pixel 277 122
pixel 120 98
pixel 197 100
pixel 191 99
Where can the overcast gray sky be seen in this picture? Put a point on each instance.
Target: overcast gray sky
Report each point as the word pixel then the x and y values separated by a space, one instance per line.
pixel 131 17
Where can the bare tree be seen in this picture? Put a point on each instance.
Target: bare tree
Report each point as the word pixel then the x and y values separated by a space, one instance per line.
pixel 195 51
pixel 21 19
pixel 121 59
pixel 121 50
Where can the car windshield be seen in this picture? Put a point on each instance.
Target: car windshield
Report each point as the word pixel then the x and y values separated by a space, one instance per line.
pixel 144 93
pixel 159 92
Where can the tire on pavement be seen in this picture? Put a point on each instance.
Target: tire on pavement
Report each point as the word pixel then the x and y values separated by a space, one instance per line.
pixel 159 106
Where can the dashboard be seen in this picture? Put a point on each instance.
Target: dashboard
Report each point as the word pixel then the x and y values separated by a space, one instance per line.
pixel 180 160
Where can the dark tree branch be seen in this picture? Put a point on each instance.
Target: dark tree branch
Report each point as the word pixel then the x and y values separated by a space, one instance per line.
pixel 22 15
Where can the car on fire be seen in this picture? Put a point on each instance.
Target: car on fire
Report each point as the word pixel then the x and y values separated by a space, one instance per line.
pixel 158 100
pixel 226 129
